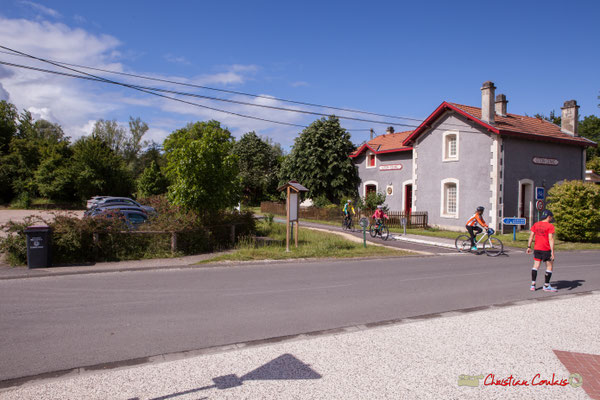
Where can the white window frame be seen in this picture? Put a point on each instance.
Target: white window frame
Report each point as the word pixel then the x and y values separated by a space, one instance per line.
pixel 369 154
pixel 445 148
pixel 368 183
pixel 443 199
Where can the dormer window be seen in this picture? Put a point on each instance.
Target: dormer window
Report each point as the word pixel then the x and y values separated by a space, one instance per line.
pixel 450 152
pixel 371 160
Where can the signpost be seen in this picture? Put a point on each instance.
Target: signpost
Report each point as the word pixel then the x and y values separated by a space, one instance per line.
pixel 293 188
pixel 540 193
pixel 364 223
pixel 514 221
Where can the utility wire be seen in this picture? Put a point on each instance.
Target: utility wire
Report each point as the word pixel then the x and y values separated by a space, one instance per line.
pixel 59 63
pixel 154 93
pixel 155 89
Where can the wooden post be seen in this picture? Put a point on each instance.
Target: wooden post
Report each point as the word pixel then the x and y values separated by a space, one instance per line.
pixel 173 242
pixel 232 234
pixel 297 217
pixel 287 226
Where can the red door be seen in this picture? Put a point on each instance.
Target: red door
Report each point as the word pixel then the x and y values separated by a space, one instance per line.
pixel 408 199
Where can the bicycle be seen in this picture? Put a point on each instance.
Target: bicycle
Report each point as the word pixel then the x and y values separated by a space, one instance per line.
pixel 379 229
pixel 348 223
pixel 492 246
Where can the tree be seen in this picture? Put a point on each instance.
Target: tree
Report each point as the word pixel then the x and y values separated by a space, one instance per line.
pixel 258 165
pixel 589 127
pixel 201 167
pixel 319 160
pixel 98 169
pixel 111 133
pixel 134 143
pixel 55 175
pixel 152 181
pixel 8 124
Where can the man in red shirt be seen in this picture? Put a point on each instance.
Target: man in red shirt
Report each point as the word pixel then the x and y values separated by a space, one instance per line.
pixel 543 232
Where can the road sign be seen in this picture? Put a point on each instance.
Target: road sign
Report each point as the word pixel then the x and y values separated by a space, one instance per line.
pixel 540 193
pixel 539 205
pixel 364 222
pixel 514 221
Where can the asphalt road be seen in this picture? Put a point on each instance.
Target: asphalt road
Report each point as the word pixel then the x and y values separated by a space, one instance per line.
pixel 57 323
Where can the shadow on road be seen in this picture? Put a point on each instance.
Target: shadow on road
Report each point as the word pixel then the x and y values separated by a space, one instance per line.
pixel 568 284
pixel 284 367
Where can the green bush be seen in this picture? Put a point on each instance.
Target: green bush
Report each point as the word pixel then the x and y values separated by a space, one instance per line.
pixel 370 202
pixel 576 208
pixel 77 240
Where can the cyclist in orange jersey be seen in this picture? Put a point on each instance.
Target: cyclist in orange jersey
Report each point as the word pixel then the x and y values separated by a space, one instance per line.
pixel 473 226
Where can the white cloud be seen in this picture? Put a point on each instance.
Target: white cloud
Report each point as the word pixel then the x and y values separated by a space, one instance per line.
pixel 3 93
pixel 40 8
pixel 176 59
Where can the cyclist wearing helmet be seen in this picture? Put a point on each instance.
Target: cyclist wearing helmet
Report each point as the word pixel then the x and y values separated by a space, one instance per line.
pixel 473 226
pixel 379 214
pixel 348 211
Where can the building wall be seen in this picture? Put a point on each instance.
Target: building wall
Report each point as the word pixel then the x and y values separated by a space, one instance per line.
pixel 473 171
pixel 383 179
pixel 519 166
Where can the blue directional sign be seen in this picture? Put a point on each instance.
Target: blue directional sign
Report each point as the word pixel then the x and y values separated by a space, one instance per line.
pixel 540 193
pixel 514 221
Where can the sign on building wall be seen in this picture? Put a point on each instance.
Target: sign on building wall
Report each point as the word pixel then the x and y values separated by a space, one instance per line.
pixel 389 190
pixel 390 167
pixel 545 161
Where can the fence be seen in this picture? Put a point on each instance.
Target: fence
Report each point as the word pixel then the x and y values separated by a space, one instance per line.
pixel 413 220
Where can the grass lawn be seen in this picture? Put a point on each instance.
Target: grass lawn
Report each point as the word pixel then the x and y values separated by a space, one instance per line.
pixel 311 244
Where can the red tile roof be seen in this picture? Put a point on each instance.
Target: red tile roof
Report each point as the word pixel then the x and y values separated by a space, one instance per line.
pixel 512 124
pixel 388 143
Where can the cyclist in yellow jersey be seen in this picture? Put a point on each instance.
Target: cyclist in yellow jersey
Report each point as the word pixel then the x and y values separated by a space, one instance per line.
pixel 473 224
pixel 348 212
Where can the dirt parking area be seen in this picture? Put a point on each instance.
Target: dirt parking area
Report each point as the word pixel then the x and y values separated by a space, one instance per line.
pixel 48 215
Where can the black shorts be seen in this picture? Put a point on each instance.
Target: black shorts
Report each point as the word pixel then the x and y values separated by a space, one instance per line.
pixel 541 255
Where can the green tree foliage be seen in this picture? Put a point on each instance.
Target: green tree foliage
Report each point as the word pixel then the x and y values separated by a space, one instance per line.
pixel 201 167
pixel 99 169
pixel 370 202
pixel 319 161
pixel 589 127
pixel 55 176
pixel 110 133
pixel 258 165
pixel 576 208
pixel 152 181
pixel 594 164
pixel 134 144
pixel 8 125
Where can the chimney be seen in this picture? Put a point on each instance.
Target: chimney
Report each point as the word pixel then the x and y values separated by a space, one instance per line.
pixel 570 118
pixel 371 133
pixel 487 102
pixel 390 129
pixel 501 103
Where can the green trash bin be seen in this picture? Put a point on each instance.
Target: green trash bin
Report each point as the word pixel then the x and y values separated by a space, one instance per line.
pixel 39 240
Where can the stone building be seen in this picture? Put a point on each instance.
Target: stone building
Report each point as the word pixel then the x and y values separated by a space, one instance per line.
pixel 462 157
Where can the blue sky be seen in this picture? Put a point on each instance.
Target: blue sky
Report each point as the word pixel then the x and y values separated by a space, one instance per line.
pixel 399 58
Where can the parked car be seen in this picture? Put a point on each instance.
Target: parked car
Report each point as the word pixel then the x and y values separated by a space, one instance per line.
pixel 133 218
pixel 94 201
pixel 124 200
pixel 113 207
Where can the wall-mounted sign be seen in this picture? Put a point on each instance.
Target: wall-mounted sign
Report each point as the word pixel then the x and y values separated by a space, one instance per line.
pixel 390 190
pixel 390 167
pixel 545 161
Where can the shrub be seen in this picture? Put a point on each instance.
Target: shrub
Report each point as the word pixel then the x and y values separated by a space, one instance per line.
pixel 370 202
pixel 576 208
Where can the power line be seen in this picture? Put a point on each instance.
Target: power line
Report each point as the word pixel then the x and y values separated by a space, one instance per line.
pixel 157 94
pixel 147 89
pixel 60 63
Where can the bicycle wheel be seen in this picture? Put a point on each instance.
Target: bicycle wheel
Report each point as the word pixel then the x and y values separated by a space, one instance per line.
pixel 385 232
pixel 344 225
pixel 372 231
pixel 351 226
pixel 493 247
pixel 463 243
